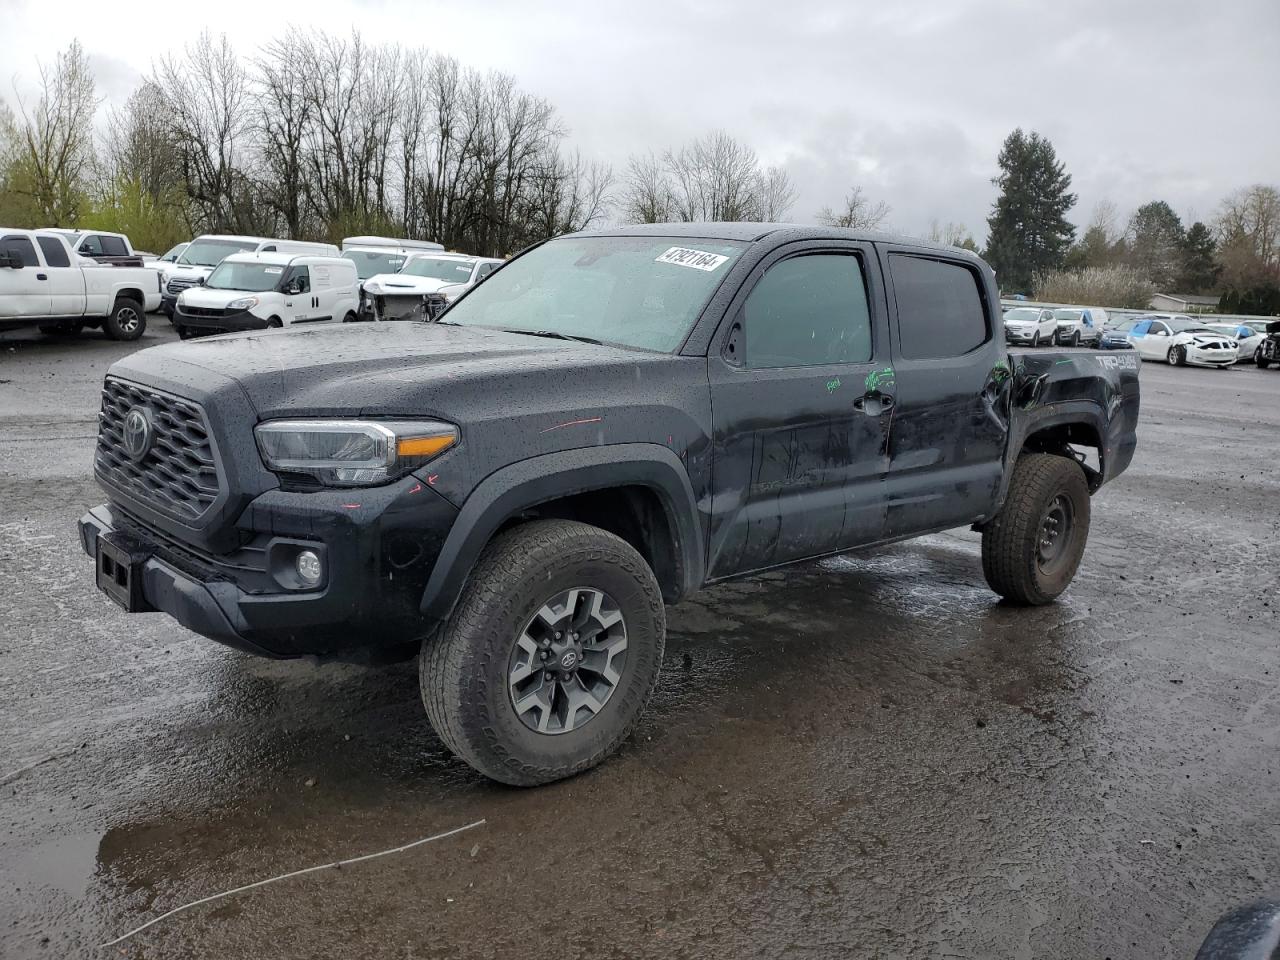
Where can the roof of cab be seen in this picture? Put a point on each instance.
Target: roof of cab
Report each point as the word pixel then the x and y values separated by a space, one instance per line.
pixel 751 232
pixel 283 257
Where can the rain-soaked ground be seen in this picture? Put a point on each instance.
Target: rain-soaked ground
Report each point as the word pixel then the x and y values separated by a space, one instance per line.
pixel 865 756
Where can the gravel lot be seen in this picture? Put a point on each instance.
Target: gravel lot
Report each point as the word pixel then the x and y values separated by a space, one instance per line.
pixel 865 756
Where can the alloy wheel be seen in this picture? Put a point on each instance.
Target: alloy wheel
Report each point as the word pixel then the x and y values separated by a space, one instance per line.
pixel 568 661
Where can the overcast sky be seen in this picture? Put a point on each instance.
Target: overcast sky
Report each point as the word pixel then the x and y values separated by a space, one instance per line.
pixel 1143 99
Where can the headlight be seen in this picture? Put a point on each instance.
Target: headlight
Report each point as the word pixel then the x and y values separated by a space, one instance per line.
pixel 352 453
pixel 244 303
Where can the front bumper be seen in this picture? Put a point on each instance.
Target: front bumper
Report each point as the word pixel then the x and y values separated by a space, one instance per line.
pixel 224 322
pixel 1020 336
pixel 1211 358
pixel 419 306
pixel 379 545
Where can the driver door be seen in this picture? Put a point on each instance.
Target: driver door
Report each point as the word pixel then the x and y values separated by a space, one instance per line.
pixel 1155 345
pixel 24 292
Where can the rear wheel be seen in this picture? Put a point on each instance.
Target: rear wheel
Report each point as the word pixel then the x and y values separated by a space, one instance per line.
pixel 1032 548
pixel 126 321
pixel 350 317
pixel 549 657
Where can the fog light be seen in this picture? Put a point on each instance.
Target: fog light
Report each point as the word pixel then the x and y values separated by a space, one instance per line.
pixel 309 567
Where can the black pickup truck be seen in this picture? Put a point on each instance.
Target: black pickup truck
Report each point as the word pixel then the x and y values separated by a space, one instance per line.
pixel 607 423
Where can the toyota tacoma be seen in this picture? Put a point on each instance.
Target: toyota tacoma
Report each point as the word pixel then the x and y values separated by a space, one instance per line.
pixel 607 423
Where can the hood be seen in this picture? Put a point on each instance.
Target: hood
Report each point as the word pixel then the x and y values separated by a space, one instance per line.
pixel 1202 338
pixel 204 297
pixel 393 369
pixel 1022 323
pixel 182 271
pixel 394 283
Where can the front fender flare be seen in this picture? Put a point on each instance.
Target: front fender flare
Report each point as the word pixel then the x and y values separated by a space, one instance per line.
pixel 528 483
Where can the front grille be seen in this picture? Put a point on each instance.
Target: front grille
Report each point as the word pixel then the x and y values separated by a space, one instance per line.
pixel 178 284
pixel 177 474
pixel 203 311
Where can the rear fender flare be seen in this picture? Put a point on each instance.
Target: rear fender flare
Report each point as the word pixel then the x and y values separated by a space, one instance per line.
pixel 1083 412
pixel 528 483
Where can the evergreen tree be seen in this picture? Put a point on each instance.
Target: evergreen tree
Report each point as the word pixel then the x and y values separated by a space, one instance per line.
pixel 1030 233
pixel 1156 243
pixel 1200 268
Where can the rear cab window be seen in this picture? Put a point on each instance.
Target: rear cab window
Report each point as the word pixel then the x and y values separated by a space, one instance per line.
pixel 941 309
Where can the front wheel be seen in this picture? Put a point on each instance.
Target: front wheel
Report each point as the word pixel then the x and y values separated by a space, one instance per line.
pixel 1260 360
pixel 126 321
pixel 1075 339
pixel 1177 356
pixel 550 655
pixel 1033 546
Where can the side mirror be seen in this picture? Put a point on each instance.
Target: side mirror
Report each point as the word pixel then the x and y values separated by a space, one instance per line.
pixel 1160 333
pixel 11 260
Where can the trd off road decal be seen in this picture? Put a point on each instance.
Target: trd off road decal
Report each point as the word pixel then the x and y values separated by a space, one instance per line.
pixel 1126 361
pixel 684 257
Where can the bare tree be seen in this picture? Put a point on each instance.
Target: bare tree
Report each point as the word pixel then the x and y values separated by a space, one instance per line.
pixel 55 138
pixel 1248 227
pixel 952 234
pixel 646 192
pixel 858 212
pixel 775 195
pixel 209 105
pixel 282 126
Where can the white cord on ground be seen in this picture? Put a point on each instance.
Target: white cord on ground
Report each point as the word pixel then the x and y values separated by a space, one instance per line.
pixel 286 876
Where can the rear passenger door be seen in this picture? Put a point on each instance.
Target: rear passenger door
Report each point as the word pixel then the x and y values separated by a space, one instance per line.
pixel 799 442
pixel 24 292
pixel 950 374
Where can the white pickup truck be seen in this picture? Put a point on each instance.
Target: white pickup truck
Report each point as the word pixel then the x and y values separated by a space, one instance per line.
pixel 44 283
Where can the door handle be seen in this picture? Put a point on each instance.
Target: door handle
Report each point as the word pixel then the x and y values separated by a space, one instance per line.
pixel 42 276
pixel 874 403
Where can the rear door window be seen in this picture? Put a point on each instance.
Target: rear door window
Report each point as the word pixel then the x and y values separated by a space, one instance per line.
pixel 940 307
pixel 55 254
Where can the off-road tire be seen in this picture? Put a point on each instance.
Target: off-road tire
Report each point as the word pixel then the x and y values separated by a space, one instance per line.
pixel 126 321
pixel 463 667
pixel 1010 541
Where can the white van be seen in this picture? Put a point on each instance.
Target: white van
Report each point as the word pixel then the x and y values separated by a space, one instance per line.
pixel 206 252
pixel 252 291
pixel 375 255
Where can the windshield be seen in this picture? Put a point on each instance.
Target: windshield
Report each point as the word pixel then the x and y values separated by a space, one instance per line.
pixel 1188 326
pixel 1022 315
pixel 372 262
pixel 1067 314
pixel 250 277
pixel 209 253
pixel 455 271
pixel 172 253
pixel 634 291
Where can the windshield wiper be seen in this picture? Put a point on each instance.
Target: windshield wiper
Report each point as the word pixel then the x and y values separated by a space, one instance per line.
pixel 556 335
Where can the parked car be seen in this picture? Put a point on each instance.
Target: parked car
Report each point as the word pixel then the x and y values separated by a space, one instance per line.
pixel 253 291
pixel 44 283
pixel 99 245
pixel 1116 337
pixel 425 285
pixel 206 252
pixel 1030 325
pixel 376 255
pixel 609 422
pixel 1268 352
pixel 1179 340
pixel 1077 326
pixel 1248 338
pixel 173 253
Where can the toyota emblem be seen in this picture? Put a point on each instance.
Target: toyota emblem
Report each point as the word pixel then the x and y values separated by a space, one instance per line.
pixel 569 660
pixel 137 433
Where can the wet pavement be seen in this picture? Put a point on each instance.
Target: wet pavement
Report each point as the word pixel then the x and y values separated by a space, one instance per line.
pixel 866 756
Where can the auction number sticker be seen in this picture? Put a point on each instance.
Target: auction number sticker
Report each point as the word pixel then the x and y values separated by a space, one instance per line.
pixel 698 259
pixel 273 269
